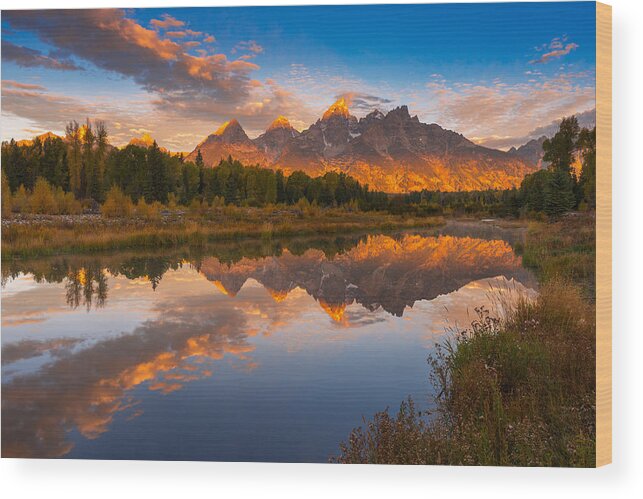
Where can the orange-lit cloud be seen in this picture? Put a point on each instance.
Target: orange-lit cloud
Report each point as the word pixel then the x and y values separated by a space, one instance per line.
pixel 24 86
pixel 167 22
pixel 149 353
pixel 557 48
pixel 182 88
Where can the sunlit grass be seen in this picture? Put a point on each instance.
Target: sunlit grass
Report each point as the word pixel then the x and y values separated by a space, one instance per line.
pixel 55 235
pixel 513 391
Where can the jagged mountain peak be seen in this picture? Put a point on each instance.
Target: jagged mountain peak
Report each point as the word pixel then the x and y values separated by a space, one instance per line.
pixel 229 139
pixel 339 108
pixel 279 122
pixel 395 152
pixel 228 127
pixel 400 112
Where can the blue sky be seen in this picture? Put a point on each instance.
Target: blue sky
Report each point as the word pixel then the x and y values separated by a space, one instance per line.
pixel 494 72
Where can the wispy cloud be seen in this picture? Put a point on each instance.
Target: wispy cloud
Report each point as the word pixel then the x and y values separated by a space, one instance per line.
pixel 23 86
pixel 557 48
pixel 361 102
pixel 167 22
pixel 502 115
pixel 247 46
pixel 30 58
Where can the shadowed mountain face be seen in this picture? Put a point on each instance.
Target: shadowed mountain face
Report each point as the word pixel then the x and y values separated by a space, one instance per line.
pixel 393 152
pixel 379 272
pixel 531 152
pixel 275 138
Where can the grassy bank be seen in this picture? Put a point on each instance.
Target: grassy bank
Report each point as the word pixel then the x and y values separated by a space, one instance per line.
pixel 564 250
pixel 514 392
pixel 49 235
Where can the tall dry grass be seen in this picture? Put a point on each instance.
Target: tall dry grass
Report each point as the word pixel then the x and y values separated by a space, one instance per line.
pixel 144 227
pixel 518 391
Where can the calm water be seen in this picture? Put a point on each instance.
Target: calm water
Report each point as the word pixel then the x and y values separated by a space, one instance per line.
pixel 255 351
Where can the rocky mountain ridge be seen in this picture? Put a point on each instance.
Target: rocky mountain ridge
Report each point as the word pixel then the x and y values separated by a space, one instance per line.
pixel 392 152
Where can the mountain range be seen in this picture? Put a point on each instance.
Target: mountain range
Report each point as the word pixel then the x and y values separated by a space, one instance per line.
pixel 392 152
pixel 379 272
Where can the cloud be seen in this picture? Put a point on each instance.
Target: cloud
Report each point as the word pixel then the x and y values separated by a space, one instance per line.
pixel 119 44
pixel 145 356
pixel 51 110
pixel 586 119
pixel 167 22
pixel 209 39
pixel 362 102
pixel 30 58
pixel 24 86
pixel 46 109
pixel 502 116
pixel 166 118
pixel 556 49
pixel 247 46
pixel 26 349
pixel 211 87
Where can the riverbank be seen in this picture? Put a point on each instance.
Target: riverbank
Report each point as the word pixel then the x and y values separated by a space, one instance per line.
pixel 520 391
pixel 43 235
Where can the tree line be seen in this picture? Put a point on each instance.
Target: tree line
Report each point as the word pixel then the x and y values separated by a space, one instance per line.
pixel 549 192
pixel 83 167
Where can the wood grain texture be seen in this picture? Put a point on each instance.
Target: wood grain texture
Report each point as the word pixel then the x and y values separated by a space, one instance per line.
pixel 603 234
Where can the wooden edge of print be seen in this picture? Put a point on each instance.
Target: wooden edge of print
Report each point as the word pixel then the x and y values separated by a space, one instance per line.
pixel 603 234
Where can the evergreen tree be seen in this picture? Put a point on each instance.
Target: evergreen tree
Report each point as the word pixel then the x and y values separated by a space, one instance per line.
pixel 326 197
pixel 280 187
pixel 296 186
pixel 252 189
pixel 199 159
pixel 157 182
pixel 587 181
pixel 270 196
pixel 532 190
pixel 231 190
pixel 560 149
pixel 559 194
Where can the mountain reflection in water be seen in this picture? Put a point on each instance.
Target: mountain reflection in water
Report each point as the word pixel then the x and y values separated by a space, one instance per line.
pixel 134 356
